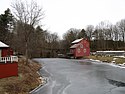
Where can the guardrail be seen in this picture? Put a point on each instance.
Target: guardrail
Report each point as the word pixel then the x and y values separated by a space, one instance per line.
pixel 9 59
pixel 112 53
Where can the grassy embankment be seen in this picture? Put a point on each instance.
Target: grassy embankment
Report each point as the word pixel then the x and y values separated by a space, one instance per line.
pixel 26 80
pixel 108 59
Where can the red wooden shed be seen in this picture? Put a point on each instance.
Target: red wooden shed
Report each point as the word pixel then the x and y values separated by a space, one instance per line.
pixel 80 48
pixel 8 62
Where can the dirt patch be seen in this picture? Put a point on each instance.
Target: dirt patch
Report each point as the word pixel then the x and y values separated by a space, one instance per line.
pixel 26 80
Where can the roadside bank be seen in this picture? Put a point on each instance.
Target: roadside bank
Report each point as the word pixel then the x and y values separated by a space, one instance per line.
pixel 27 79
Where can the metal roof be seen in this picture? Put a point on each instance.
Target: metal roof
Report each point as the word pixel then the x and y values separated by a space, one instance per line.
pixel 78 40
pixel 75 46
pixel 3 44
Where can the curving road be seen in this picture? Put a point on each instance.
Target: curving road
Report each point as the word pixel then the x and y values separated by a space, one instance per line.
pixel 70 76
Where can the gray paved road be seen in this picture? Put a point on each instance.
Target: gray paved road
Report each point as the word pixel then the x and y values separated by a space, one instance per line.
pixel 80 77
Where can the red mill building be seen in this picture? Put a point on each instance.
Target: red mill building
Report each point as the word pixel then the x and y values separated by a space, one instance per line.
pixel 80 48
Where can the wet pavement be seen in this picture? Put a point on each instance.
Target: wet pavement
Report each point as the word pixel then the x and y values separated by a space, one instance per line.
pixel 70 76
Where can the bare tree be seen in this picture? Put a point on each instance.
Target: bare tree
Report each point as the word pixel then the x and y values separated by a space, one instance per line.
pixel 28 15
pixel 116 33
pixel 68 37
pixel 89 31
pixel 106 29
pixel 54 44
pixel 121 28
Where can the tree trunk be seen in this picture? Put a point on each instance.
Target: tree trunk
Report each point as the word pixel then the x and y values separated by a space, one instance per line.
pixel 26 52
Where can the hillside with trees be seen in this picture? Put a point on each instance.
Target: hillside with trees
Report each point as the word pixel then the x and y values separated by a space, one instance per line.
pixel 105 36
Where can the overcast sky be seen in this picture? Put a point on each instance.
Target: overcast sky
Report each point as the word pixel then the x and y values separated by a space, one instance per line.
pixel 61 15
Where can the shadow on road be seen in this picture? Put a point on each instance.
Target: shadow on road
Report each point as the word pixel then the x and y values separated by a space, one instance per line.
pixel 116 83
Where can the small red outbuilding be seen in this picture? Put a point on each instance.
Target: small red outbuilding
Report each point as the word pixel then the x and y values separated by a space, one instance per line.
pixel 8 62
pixel 80 48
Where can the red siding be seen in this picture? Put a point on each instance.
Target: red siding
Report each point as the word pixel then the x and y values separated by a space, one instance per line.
pixel 8 69
pixel 6 52
pixel 11 52
pixel 87 47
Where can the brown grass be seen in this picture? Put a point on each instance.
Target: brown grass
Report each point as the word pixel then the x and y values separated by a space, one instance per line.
pixel 102 58
pixel 26 80
pixel 108 59
pixel 120 60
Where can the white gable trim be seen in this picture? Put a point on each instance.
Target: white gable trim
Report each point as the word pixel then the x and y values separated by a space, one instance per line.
pixel 3 44
pixel 78 40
